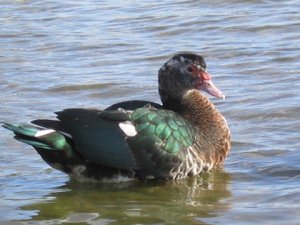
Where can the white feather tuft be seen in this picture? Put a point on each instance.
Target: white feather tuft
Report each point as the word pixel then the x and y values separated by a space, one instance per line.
pixel 128 128
pixel 44 132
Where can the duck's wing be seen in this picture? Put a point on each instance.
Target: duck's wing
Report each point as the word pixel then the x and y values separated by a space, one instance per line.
pixel 91 138
pixel 160 142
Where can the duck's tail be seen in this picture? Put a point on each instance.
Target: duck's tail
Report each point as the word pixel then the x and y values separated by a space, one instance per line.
pixel 38 137
pixel 54 146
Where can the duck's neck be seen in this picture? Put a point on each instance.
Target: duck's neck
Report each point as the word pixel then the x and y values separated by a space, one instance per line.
pixel 209 123
pixel 199 110
pixel 194 106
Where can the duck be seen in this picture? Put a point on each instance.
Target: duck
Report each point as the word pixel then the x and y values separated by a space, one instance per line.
pixel 182 137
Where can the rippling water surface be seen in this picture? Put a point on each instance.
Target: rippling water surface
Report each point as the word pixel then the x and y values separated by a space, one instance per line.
pixel 59 54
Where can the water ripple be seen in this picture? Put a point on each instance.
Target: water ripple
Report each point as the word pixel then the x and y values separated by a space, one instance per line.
pixel 56 55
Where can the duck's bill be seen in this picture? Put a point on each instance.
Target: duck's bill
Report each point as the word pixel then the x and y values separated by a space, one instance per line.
pixel 209 87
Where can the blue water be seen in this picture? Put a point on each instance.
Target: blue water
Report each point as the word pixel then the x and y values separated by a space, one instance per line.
pixel 56 55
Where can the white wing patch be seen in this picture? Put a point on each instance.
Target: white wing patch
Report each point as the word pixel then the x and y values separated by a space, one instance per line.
pixel 128 128
pixel 44 132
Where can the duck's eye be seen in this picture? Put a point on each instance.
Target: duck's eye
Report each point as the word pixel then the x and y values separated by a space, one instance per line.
pixel 190 69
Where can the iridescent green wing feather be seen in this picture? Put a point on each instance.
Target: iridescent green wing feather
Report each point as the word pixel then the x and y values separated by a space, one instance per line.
pixel 161 136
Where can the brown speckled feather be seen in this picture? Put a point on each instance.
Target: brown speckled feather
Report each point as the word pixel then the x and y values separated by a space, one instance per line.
pixel 213 139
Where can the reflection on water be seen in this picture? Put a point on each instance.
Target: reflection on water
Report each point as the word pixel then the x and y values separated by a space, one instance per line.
pixel 185 201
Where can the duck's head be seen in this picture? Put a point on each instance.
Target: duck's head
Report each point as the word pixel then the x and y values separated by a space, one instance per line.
pixel 184 72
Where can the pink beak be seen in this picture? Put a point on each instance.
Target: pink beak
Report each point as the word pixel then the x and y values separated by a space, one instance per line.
pixel 209 87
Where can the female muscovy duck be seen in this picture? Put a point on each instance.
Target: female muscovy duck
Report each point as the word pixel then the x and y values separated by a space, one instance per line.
pixel 139 139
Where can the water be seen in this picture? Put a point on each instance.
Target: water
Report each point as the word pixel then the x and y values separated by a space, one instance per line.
pixel 56 55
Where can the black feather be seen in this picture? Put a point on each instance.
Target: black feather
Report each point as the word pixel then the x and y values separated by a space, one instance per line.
pixel 51 124
pixel 93 138
pixel 134 104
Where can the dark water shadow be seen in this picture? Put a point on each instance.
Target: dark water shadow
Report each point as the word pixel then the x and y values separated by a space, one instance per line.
pixel 137 202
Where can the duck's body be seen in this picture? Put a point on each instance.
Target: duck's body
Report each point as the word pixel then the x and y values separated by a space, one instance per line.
pixel 180 138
